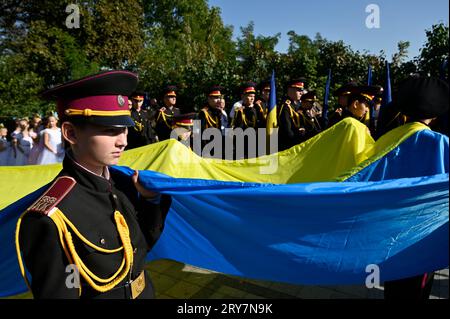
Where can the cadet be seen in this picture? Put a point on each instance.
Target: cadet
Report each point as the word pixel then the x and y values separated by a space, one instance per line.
pixel 263 102
pixel 164 119
pixel 182 127
pixel 86 222
pixel 342 94
pixel 142 133
pixel 291 132
pixel 211 116
pixel 249 114
pixel 359 99
pixel 423 100
pixel 310 114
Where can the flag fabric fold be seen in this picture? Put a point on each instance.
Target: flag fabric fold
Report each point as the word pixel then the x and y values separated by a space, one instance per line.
pixel 337 204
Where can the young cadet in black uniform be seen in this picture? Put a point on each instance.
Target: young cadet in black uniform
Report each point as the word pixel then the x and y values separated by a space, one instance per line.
pixel 182 128
pixel 342 94
pixel 211 117
pixel 420 99
pixel 291 132
pixel 164 119
pixel 250 114
pixel 358 103
pixel 142 133
pixel 88 222
pixel 309 115
pixel 263 101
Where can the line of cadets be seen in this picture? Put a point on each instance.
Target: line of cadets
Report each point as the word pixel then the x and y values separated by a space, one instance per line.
pixel 299 116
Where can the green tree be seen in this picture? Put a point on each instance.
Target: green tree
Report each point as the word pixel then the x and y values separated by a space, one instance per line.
pixel 256 54
pixel 435 50
pixel 188 45
pixel 40 50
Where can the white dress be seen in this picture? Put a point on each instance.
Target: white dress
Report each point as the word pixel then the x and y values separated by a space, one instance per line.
pixel 46 156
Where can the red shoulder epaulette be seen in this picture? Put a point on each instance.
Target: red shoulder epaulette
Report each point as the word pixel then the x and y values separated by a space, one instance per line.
pixel 55 194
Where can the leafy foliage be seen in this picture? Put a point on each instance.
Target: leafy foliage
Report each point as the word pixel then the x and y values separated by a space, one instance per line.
pixel 182 42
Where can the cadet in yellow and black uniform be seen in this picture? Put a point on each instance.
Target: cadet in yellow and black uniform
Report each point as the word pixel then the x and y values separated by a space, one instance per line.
pixel 310 116
pixel 291 131
pixel 142 133
pixel 250 114
pixel 89 222
pixel 164 118
pixel 211 116
pixel 263 100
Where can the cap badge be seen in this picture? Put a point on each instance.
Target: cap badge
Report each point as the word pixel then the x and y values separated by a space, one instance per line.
pixel 120 100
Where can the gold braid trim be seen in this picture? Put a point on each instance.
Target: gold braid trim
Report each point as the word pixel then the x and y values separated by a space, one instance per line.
pixel 209 120
pixel 66 240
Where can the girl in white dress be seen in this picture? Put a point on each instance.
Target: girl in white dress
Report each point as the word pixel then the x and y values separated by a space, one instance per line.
pixel 53 150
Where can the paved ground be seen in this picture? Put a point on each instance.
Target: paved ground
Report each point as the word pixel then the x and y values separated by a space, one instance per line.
pixel 180 281
pixel 173 280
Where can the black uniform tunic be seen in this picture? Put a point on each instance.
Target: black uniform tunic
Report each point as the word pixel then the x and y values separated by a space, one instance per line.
pixel 90 206
pixel 289 123
pixel 142 133
pixel 164 125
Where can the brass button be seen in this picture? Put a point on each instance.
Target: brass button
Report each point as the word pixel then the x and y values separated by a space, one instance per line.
pixel 102 241
pixel 114 196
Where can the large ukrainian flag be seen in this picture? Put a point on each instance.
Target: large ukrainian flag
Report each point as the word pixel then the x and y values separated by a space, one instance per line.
pixel 318 213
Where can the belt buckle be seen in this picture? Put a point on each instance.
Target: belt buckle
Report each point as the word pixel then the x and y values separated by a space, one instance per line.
pixel 138 285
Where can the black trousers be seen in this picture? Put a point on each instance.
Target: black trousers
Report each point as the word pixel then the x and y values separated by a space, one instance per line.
pixel 417 288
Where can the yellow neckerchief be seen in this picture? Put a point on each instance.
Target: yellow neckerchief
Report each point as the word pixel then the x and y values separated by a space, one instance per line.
pixel 293 114
pixel 209 120
pixel 65 238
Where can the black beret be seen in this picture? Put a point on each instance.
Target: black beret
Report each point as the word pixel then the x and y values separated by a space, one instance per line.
pixel 422 97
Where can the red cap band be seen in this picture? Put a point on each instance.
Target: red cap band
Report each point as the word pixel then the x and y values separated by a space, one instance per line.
pixel 97 103
pixel 215 93
pixel 250 90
